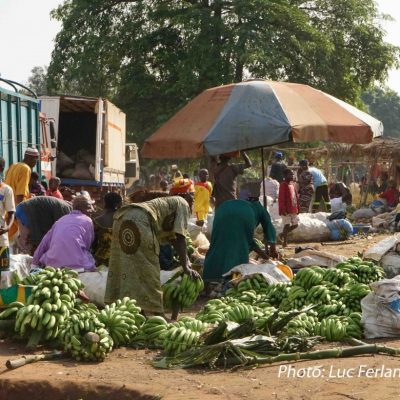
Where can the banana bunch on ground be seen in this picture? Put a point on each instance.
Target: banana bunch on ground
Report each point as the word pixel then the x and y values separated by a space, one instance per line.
pixel 354 327
pixel 85 337
pixel 122 319
pixel 361 271
pixel 309 277
pixel 296 298
pixel 277 293
pixel 333 308
pixel 240 313
pixel 337 277
pixel 263 320
pixel 178 339
pixel 333 328
pixel 50 304
pixel 302 325
pixel 11 311
pixel 192 324
pixel 352 294
pixel 318 294
pixel 214 311
pixel 184 293
pixel 253 282
pixel 153 330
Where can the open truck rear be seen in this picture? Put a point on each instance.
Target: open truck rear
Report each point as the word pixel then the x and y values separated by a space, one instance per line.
pixel 90 135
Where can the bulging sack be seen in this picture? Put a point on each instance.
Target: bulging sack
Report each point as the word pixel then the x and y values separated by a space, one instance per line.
pixel 380 309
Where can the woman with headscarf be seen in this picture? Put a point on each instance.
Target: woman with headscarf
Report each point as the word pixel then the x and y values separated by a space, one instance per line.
pixel 306 186
pixel 138 231
pixel 232 236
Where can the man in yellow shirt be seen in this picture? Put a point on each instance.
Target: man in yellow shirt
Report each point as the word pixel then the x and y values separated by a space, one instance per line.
pixel 18 176
pixel 202 196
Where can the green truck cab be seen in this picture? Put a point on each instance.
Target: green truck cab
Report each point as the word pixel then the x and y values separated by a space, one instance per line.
pixel 22 125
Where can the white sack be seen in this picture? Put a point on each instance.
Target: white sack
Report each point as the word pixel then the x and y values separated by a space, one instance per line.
pixel 377 251
pixel 269 270
pixel 95 285
pixel 378 318
pixel 20 264
pixel 312 228
pixel 391 264
pixel 307 258
pixel 363 213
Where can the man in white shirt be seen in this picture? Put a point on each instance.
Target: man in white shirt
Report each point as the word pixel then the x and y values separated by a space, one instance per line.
pixel 7 210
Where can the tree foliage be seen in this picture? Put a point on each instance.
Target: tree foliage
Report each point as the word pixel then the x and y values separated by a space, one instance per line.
pixel 152 56
pixel 384 104
pixel 37 81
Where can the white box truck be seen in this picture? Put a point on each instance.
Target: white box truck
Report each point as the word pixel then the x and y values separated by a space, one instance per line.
pixel 91 144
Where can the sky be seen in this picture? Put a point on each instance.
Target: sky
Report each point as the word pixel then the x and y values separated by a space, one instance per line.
pixel 28 32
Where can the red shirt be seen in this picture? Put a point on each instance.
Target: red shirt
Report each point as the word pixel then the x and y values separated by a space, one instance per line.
pixel 288 199
pixel 56 194
pixel 391 195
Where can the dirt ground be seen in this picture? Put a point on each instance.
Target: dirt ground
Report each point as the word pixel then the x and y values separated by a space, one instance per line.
pixel 128 374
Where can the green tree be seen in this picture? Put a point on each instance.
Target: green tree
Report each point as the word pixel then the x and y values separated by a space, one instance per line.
pixel 152 56
pixel 384 104
pixel 37 81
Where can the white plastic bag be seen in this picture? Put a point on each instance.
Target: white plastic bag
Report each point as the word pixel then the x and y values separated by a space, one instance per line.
pixel 20 264
pixel 377 251
pixel 269 270
pixel 95 285
pixel 378 318
pixel 390 262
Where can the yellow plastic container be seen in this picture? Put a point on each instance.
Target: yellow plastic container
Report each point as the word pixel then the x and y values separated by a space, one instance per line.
pixel 286 270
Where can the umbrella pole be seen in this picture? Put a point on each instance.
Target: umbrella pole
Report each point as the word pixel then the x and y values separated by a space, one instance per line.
pixel 263 178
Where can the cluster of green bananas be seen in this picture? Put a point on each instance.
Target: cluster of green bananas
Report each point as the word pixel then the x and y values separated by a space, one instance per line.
pixel 277 293
pixel 11 311
pixel 50 304
pixel 352 294
pixel 354 327
pixel 192 324
pixel 85 337
pixel 153 330
pixel 296 298
pixel 333 308
pixel 240 313
pixel 178 339
pixel 249 297
pixel 122 319
pixel 337 277
pixel 253 282
pixel 332 328
pixel 319 294
pixel 215 310
pixel 309 277
pixel 361 271
pixel 184 293
pixel 263 320
pixel 302 325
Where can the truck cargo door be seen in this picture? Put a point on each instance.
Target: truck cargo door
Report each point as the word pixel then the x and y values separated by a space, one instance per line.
pixel 114 155
pixel 99 139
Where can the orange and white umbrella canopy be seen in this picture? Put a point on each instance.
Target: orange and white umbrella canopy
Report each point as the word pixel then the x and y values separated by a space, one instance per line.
pixel 255 114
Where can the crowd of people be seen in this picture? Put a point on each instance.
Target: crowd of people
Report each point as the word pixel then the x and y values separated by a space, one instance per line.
pixel 134 239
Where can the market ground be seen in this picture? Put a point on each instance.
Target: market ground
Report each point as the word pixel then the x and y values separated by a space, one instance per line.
pixel 128 374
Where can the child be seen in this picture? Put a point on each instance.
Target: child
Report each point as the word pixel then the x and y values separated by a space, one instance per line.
pixel 202 196
pixel 288 201
pixel 54 184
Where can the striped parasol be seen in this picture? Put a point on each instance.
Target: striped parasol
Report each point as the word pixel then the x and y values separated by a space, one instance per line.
pixel 255 114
